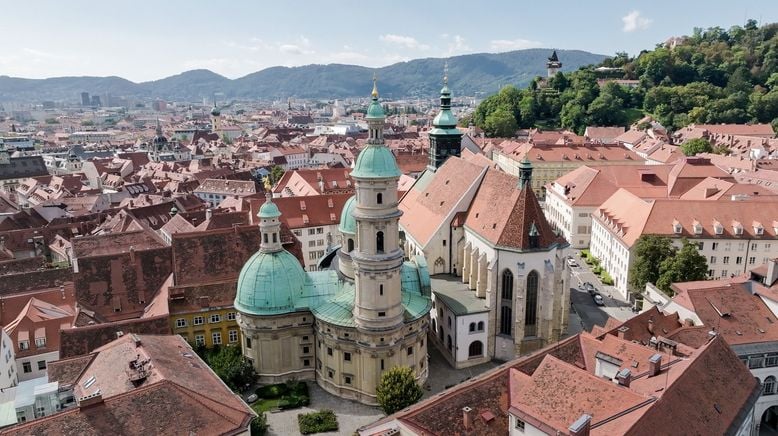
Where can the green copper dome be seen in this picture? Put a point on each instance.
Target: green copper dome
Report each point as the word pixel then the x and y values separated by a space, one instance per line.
pixel 269 283
pixel 375 111
pixel 375 162
pixel 269 210
pixel 215 111
pixel 348 224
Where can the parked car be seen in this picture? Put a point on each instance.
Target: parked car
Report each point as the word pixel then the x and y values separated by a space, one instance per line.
pixel 598 300
pixel 572 263
pixel 252 398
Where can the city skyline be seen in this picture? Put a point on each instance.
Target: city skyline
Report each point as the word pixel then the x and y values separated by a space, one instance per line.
pixel 146 41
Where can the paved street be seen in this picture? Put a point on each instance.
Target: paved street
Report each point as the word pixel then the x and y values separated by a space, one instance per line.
pixel 588 314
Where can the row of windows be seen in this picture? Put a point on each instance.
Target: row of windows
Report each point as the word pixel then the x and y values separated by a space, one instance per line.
pixel 761 361
pixel 216 338
pixel 200 320
pixel 27 366
pixel 39 343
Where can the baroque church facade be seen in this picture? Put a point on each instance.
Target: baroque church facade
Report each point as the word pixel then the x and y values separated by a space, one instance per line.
pixel 345 325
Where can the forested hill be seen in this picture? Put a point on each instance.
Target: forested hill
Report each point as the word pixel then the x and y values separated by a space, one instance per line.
pixel 712 76
pixel 472 74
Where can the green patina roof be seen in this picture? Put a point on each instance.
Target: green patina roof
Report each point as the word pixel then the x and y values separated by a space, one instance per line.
pixel 445 118
pixel 269 284
pixel 375 111
pixel 376 162
pixel 347 222
pixel 269 210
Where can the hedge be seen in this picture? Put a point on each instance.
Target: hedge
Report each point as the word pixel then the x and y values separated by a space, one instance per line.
pixel 317 422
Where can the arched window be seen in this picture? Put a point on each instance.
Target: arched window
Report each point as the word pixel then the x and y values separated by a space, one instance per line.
pixel 449 322
pixel 472 326
pixel 441 334
pixel 476 349
pixel 531 310
pixel 480 326
pixel 264 237
pixel 379 198
pixel 275 237
pixel 448 342
pixel 506 320
pixel 507 285
pixel 434 326
pixel 350 245
pixel 379 242
pixel 380 289
pixel 768 387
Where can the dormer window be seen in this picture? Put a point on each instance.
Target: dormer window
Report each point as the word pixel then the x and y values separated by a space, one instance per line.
pixel 737 228
pixel 697 227
pixel 718 228
pixel 758 229
pixel 677 228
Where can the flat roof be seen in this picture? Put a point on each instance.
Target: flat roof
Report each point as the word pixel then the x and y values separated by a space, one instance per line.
pixel 456 295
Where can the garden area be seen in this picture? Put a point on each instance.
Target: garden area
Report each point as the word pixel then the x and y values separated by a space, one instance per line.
pixel 598 270
pixel 281 396
pixel 317 422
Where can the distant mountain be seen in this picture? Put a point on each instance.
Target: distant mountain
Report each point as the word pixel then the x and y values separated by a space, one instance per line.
pixel 468 74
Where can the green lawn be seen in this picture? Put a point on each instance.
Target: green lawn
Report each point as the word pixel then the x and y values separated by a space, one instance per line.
pixel 265 405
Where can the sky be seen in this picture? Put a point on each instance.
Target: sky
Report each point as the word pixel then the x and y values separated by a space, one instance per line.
pixel 151 39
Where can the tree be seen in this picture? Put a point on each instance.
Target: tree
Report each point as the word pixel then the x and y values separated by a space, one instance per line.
pixel 501 123
pixel 275 174
pixel 230 365
pixel 650 252
pixel 695 146
pixel 397 389
pixel 687 265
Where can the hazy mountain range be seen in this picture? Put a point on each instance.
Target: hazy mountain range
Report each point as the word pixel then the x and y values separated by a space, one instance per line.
pixel 468 75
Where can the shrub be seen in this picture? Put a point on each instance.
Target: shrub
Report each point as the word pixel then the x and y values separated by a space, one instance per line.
pixel 273 391
pixel 606 278
pixel 585 254
pixel 398 389
pixel 259 425
pixel 317 422
pixel 597 269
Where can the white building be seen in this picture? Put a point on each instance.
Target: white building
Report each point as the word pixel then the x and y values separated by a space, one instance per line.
pixel 9 375
pixel 734 236
pixel 90 137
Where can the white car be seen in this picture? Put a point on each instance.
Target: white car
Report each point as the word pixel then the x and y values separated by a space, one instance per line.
pixel 598 300
pixel 572 263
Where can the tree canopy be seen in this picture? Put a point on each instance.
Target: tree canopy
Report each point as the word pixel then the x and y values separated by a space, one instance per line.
pixel 713 76
pixel 695 146
pixel 686 265
pixel 650 252
pixel 397 389
pixel 658 261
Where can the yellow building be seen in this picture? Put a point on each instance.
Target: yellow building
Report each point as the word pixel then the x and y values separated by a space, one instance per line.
pixel 204 315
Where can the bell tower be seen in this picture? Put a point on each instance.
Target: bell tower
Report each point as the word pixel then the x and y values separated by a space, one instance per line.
pixel 377 256
pixel 445 138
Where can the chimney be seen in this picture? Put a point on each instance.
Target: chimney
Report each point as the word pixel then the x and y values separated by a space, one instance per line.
pixel 132 254
pixel 208 214
pixel 467 417
pixel 688 322
pixel 62 291
pixel 772 272
pixel 622 331
pixel 90 400
pixel 651 325
pixel 136 340
pixel 624 377
pixel 654 365
pixel 581 426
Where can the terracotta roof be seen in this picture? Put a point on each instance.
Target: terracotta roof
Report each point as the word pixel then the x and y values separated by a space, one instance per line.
pixel 113 243
pixel 505 215
pixel 308 211
pixel 603 134
pixel 175 393
pixel 437 195
pixel 227 187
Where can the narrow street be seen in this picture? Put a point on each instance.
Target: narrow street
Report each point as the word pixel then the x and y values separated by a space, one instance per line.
pixel 587 313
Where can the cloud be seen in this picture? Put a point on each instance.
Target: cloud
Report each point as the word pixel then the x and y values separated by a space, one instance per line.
pixel 301 47
pixel 456 45
pixel 634 21
pixel 499 45
pixel 407 41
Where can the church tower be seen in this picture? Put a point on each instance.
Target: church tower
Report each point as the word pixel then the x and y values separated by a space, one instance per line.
pixel 377 256
pixel 216 117
pixel 553 65
pixel 445 138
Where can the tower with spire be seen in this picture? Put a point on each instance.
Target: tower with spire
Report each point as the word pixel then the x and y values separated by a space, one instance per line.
pixel 377 256
pixel 553 65
pixel 216 118
pixel 445 138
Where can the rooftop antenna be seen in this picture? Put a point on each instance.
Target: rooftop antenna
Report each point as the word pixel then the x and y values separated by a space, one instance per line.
pixel 445 73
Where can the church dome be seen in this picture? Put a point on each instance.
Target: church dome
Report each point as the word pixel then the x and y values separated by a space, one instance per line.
pixel 268 284
pixel 375 111
pixel 375 162
pixel 445 118
pixel 269 210
pixel 348 224
pixel 215 111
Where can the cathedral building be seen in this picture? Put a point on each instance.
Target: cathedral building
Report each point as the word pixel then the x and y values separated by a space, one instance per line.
pixel 485 230
pixel 345 325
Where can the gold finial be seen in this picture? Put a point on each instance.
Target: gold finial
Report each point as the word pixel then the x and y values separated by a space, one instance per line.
pixel 445 73
pixel 375 86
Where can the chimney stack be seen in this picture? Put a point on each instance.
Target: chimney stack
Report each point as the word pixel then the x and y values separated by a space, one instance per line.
pixel 651 325
pixel 654 365
pixel 90 400
pixel 622 331
pixel 581 426
pixel 772 272
pixel 467 417
pixel 208 213
pixel 624 377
